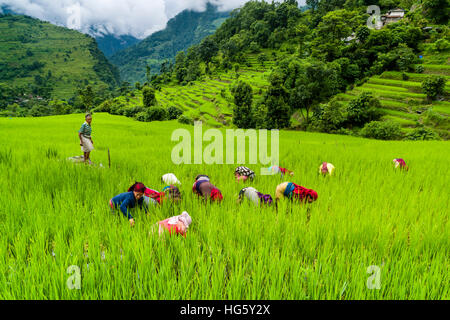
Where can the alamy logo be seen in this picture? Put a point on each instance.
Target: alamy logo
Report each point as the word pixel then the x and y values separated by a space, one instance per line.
pixel 374 21
pixel 213 152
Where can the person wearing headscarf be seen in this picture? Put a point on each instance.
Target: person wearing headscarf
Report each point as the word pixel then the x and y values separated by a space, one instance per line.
pixel 255 196
pixel 170 179
pixel 295 192
pixel 244 173
pixel 129 200
pixel 282 171
pixel 400 163
pixel 177 225
pixel 204 188
pixel 326 168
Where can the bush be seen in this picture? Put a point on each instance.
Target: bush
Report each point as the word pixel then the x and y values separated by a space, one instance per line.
pixel 141 116
pixel 388 130
pixel 173 113
pixel 363 109
pixel 149 97
pixel 422 133
pixel 185 120
pixel 131 112
pixel 433 87
pixel 329 117
pixel 419 69
pixel 157 114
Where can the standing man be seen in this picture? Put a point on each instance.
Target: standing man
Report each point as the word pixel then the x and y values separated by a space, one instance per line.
pixel 86 143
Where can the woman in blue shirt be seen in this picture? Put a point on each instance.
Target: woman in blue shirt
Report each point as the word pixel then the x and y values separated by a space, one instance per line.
pixel 128 200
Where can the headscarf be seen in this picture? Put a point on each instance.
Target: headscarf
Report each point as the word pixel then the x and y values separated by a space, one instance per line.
pixel 185 218
pixel 137 187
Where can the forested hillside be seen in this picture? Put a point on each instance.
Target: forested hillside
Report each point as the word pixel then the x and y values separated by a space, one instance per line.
pixel 39 60
pixel 186 29
pixel 274 65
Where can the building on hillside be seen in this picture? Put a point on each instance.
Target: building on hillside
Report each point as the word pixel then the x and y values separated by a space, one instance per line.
pixel 394 15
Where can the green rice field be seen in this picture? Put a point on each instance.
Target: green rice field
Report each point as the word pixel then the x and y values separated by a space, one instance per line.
pixel 54 214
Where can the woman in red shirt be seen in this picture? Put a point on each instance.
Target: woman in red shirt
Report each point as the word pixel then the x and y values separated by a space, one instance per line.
pixel 177 225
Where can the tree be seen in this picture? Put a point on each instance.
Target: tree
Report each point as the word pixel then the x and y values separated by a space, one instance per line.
pixel 278 113
pixel 148 73
pixel 242 112
pixel 87 97
pixel 433 87
pixel 124 88
pixel 313 4
pixel 207 50
pixel 437 10
pixel 262 58
pixel 363 109
pixel 311 84
pixel 332 30
pixel 330 117
pixel 149 96
pixel 362 33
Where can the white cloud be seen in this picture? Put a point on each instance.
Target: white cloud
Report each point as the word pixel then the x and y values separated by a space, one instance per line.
pixel 139 18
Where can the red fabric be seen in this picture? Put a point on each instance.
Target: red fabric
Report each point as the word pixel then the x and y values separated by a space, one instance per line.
pixel 324 168
pixel 138 187
pixel 401 162
pixel 111 204
pixel 158 196
pixel 300 193
pixel 283 170
pixel 216 195
pixel 172 228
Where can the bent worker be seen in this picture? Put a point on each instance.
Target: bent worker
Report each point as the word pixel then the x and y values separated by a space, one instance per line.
pixel 283 171
pixel 177 225
pixel 400 163
pixel 170 179
pixel 326 168
pixel 255 196
pixel 86 143
pixel 128 200
pixel 293 191
pixel 156 197
pixel 244 173
pixel 204 188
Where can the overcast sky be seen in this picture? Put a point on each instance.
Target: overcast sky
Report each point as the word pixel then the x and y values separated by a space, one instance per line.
pixel 139 18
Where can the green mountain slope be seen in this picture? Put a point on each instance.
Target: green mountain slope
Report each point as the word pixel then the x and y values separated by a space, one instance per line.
pixel 186 29
pixel 296 62
pixel 42 59
pixel 111 44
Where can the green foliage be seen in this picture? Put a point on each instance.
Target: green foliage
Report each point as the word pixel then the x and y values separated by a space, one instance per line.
pixel 278 113
pixel 402 59
pixel 173 113
pixel 422 133
pixel 363 109
pixel 149 97
pixel 157 114
pixel 242 112
pixel 329 117
pixel 437 10
pixel 433 86
pixel 87 97
pixel 185 120
pixel 132 112
pixel 382 130
pixel 419 69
